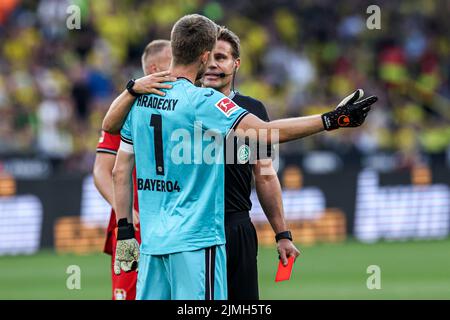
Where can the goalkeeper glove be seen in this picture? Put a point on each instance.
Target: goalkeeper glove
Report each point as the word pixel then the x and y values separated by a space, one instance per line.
pixel 127 248
pixel 350 112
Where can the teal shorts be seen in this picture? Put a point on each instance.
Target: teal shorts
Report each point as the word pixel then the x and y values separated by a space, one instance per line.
pixel 189 275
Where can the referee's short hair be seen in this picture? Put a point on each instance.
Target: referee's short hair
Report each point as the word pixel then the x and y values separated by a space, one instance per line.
pixel 229 36
pixel 191 36
pixel 153 48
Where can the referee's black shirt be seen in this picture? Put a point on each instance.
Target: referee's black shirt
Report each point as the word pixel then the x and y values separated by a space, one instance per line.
pixel 238 177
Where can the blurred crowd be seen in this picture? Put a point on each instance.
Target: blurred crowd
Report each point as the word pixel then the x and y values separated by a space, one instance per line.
pixel 298 57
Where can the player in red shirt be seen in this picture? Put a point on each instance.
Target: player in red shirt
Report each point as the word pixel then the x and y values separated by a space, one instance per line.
pixel 156 58
pixel 124 285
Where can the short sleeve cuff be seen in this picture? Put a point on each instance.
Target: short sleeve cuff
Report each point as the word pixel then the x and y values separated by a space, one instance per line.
pixel 236 122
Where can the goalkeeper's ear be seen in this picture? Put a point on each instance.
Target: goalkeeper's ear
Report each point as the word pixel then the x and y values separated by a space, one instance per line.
pixel 352 98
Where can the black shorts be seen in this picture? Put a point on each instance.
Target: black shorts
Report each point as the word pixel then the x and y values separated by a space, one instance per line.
pixel 242 251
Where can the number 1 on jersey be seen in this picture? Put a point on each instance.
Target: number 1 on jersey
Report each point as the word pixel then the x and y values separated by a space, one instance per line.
pixel 156 123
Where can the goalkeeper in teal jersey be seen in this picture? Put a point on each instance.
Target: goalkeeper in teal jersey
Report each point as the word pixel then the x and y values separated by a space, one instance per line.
pixel 181 197
pixel 180 179
pixel 181 194
pixel 168 181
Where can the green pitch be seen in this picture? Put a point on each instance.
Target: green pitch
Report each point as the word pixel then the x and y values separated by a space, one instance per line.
pixel 409 270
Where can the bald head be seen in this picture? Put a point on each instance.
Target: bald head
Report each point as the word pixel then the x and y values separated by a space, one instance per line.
pixel 156 57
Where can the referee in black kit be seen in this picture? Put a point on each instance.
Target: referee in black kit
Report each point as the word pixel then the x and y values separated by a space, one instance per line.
pixel 241 238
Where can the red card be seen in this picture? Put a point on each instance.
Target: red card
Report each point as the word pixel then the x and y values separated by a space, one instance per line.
pixel 284 273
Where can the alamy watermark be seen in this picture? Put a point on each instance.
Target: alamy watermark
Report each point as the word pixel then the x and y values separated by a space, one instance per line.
pixel 373 22
pixel 73 21
pixel 212 147
pixel 374 280
pixel 73 281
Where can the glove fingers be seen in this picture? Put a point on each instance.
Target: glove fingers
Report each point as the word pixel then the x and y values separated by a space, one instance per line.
pixel 125 266
pixel 116 266
pixel 352 98
pixel 136 251
pixel 366 110
pixel 128 266
pixel 134 265
pixel 367 102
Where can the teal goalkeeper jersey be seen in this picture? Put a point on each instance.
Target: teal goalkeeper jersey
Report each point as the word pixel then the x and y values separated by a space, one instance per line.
pixel 179 154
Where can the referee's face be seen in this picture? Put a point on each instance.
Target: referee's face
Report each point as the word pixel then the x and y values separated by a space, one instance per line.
pixel 221 62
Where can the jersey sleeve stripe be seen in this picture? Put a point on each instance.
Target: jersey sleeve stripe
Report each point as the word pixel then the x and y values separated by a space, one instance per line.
pixel 126 147
pixel 103 150
pixel 126 140
pixel 238 119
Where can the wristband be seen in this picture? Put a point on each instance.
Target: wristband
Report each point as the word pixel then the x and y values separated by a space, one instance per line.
pixel 283 235
pixel 130 86
pixel 125 230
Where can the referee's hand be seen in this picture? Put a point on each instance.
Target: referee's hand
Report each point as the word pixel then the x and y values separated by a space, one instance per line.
pixel 287 249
